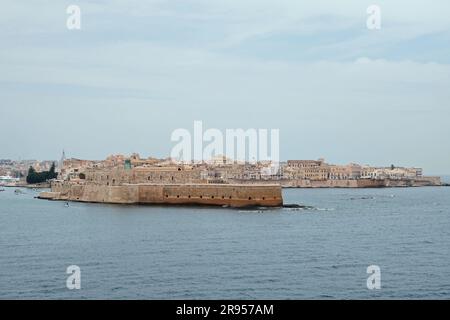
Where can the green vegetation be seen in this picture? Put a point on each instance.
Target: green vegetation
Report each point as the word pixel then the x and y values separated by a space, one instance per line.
pixel 34 177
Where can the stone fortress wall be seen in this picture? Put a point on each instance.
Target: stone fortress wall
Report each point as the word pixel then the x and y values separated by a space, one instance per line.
pixel 156 175
pixel 205 194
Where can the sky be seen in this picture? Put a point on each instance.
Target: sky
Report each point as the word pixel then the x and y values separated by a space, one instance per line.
pixel 138 70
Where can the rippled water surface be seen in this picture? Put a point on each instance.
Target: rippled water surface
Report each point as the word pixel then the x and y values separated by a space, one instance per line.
pixel 157 252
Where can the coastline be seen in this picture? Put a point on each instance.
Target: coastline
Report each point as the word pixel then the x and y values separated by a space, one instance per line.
pixel 351 183
pixel 29 186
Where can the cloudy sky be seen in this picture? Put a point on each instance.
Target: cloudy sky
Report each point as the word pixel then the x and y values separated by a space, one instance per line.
pixel 137 70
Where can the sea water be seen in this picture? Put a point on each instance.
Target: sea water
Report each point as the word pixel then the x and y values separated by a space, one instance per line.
pixel 158 252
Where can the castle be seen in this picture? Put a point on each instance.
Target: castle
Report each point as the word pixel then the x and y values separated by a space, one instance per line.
pixel 132 180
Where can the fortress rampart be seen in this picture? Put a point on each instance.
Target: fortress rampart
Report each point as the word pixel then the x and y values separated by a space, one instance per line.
pixel 139 175
pixel 183 194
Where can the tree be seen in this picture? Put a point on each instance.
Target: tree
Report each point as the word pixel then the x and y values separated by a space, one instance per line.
pixel 52 173
pixel 31 177
pixel 34 177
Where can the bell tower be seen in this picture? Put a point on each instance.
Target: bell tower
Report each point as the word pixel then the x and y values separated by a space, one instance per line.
pixel 61 163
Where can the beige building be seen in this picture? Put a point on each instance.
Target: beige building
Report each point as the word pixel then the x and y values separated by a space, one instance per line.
pixel 118 170
pixel 307 169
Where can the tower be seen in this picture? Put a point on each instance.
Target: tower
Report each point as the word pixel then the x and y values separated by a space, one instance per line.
pixel 61 162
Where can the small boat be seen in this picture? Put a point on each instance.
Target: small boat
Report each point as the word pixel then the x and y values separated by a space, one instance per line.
pixel 2 189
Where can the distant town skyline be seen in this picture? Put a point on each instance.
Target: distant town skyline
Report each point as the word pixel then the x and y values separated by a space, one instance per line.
pixel 48 162
pixel 137 71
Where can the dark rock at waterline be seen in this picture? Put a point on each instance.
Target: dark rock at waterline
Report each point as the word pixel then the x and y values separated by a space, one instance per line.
pixel 296 206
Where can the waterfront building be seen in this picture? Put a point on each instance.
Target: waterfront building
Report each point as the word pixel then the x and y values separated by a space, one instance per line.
pixel 119 169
